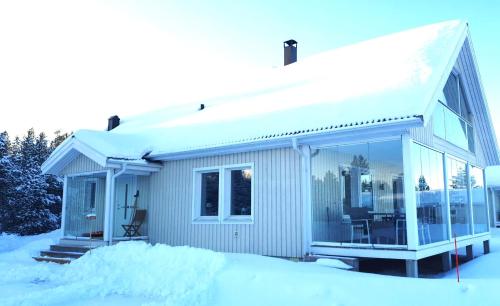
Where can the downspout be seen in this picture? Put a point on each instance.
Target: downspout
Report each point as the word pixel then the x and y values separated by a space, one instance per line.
pixel 306 191
pixel 295 146
pixel 112 201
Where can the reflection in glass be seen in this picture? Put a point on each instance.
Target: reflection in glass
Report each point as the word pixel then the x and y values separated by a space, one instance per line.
pixel 241 192
pixel 428 180
pixel 458 195
pixel 209 194
pixel 480 212
pixel 357 194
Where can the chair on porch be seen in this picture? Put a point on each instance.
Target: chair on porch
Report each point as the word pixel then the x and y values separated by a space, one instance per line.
pixel 133 228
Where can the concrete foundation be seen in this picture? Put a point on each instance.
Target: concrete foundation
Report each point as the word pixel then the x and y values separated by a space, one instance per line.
pixel 486 246
pixel 469 252
pixel 446 261
pixel 412 268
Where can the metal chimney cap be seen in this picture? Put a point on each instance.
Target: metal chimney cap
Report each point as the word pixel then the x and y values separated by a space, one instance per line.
pixel 290 42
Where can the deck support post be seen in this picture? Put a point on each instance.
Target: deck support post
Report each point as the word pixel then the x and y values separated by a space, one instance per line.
pixel 446 261
pixel 412 268
pixel 486 246
pixel 469 252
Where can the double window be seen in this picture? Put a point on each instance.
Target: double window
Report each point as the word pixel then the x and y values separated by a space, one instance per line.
pixel 451 119
pixel 223 194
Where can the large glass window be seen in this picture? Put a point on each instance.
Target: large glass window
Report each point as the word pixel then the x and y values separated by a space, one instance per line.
pixel 478 192
pixel 428 179
pixel 209 194
pixel 241 192
pixel 458 195
pixel 223 194
pixel 358 194
pixel 451 118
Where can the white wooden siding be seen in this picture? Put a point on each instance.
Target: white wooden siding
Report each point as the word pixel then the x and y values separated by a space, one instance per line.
pixel 277 227
pixel 81 164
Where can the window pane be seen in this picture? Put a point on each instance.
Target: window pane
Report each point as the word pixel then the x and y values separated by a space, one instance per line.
pixel 451 93
pixel 456 130
pixel 357 194
pixel 209 194
pixel 464 112
pixel 470 136
pixel 432 212
pixel 478 201
pixel 241 192
pixel 438 121
pixel 459 203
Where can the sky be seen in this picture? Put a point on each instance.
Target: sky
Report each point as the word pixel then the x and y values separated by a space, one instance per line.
pixel 68 65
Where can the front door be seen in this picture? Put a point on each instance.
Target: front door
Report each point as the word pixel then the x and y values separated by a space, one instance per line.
pixel 124 207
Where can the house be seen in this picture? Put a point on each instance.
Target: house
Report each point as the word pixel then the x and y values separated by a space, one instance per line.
pixel 371 150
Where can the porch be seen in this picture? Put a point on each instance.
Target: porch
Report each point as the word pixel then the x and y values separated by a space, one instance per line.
pixel 105 207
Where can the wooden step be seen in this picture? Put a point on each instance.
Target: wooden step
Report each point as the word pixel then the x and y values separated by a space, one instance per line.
pixel 69 248
pixel 52 259
pixel 61 254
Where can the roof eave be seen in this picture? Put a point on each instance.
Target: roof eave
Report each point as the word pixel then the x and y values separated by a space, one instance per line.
pixel 388 128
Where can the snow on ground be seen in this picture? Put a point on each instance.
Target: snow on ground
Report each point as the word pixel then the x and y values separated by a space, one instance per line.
pixel 136 273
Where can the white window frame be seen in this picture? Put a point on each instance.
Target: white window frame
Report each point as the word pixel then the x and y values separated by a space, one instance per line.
pixel 197 217
pixel 224 212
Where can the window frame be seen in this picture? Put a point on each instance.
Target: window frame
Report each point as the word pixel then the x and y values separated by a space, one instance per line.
pixel 224 210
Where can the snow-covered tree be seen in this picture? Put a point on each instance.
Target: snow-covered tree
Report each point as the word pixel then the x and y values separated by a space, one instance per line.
pixel 32 203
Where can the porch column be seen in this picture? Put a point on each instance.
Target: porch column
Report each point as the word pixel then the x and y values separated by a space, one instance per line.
pixel 108 229
pixel 64 199
pixel 410 196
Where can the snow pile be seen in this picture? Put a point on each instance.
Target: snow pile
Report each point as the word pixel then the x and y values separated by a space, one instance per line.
pixel 10 242
pixel 161 274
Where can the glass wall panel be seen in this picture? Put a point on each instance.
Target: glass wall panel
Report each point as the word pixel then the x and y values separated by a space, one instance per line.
pixel 85 195
pixel 456 130
pixel 357 194
pixel 432 214
pixel 459 200
pixel 438 121
pixel 479 207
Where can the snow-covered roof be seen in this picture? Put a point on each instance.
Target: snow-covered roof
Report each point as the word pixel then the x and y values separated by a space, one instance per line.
pixel 493 176
pixel 387 80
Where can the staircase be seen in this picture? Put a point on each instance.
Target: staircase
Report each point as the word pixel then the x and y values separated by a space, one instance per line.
pixel 62 254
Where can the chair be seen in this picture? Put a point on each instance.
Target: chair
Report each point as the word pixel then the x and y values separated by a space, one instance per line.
pixel 385 230
pixel 132 229
pixel 360 226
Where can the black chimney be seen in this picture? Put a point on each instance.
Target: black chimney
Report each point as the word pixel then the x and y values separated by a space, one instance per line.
pixel 290 47
pixel 113 122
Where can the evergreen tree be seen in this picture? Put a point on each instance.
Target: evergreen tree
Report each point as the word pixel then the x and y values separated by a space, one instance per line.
pixel 32 201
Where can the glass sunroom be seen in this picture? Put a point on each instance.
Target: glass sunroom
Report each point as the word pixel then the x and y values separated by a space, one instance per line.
pixel 98 209
pixel 393 194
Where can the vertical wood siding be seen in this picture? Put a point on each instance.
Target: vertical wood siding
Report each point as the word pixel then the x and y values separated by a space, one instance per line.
pixel 277 227
pixel 81 164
